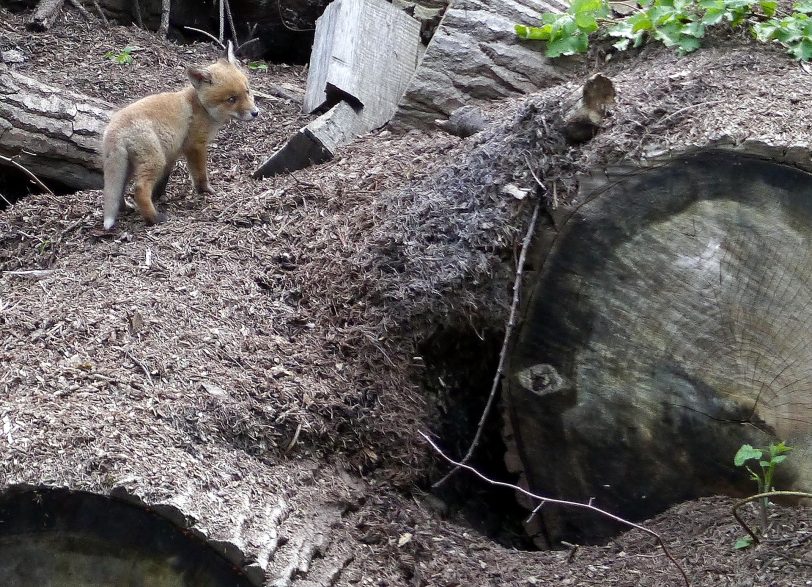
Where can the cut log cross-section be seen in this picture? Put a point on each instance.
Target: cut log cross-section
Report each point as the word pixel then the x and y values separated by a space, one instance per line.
pixel 668 325
pixel 51 132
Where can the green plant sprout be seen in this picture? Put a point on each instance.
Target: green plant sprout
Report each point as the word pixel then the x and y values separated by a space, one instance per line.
pixel 767 460
pixel 260 66
pixel 675 23
pixel 123 57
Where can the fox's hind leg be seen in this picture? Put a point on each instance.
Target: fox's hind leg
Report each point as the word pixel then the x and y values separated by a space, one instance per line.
pixel 147 177
pixel 160 187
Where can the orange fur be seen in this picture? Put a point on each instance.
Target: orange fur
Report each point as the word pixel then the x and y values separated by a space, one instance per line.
pixel 143 141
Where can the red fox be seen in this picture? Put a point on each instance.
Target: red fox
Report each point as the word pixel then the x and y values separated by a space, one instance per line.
pixel 143 141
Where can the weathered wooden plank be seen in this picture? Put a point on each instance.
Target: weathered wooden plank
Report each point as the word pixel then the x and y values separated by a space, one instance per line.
pixel 364 51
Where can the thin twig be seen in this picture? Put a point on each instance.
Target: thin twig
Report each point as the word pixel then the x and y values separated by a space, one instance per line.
pixel 101 13
pixel 82 10
pixel 564 503
pixel 209 35
pixel 766 494
pixel 517 285
pixel 27 172
pixel 222 21
pixel 140 364
pixel 138 20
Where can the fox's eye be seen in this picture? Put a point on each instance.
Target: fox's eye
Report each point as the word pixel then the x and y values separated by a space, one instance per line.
pixel 232 100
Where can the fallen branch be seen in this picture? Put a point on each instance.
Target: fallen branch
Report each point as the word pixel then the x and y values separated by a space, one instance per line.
pixel 44 15
pixel 564 503
pixel 517 284
pixel 767 494
pixel 27 172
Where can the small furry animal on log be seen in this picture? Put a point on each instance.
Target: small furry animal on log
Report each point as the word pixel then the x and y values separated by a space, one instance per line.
pixel 143 141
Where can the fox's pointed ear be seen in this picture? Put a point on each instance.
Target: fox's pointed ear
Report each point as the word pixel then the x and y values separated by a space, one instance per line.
pixel 198 76
pixel 230 53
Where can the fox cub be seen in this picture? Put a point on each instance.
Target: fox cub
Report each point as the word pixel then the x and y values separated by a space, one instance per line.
pixel 143 141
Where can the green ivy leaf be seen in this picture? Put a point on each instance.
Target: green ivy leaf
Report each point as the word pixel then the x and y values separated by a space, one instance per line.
pixel 802 50
pixel 743 542
pixel 568 45
pixel 533 33
pixel 768 7
pixel 746 453
pixel 804 6
pixel 713 16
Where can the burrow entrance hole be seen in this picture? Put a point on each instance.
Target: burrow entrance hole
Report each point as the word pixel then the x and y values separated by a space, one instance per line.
pixel 460 366
pixel 16 185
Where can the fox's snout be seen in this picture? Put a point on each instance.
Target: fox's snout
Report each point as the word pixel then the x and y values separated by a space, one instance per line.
pixel 246 115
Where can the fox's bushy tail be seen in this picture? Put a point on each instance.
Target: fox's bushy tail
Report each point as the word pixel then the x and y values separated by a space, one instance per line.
pixel 116 165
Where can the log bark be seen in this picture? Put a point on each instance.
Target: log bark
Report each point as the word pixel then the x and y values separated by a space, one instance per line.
pixel 54 133
pixel 45 15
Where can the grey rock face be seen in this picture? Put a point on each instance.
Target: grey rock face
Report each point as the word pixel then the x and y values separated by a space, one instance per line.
pixel 475 56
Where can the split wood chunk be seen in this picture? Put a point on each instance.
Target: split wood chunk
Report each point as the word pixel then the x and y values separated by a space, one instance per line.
pixel 363 57
pixel 584 120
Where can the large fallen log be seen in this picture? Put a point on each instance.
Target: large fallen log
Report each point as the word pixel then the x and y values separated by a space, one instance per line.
pixel 51 132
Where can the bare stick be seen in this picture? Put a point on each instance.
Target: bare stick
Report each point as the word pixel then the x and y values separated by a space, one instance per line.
pixel 163 29
pixel 85 14
pixel 517 285
pixel 231 23
pixel 564 503
pixel 101 13
pixel 28 173
pixel 139 21
pixel 209 35
pixel 222 21
pixel 761 496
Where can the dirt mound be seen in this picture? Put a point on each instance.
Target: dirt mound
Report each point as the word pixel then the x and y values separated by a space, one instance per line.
pixel 267 340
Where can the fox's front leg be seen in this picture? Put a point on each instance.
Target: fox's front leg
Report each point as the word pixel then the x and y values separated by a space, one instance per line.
pixel 196 159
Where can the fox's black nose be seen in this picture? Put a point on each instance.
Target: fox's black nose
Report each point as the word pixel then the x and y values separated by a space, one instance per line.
pixel 255 113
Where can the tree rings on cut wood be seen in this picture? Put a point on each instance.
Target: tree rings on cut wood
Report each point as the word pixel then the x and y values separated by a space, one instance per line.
pixel 670 321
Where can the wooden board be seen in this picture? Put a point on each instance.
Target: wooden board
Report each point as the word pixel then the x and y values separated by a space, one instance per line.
pixel 365 52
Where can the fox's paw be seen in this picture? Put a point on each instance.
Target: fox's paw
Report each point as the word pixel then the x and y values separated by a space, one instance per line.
pixel 206 190
pixel 159 218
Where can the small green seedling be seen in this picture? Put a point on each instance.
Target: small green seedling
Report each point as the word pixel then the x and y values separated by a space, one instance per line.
pixel 767 460
pixel 258 66
pixel 123 57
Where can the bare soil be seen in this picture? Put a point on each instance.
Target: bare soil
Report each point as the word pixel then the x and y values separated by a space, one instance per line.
pixel 266 340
